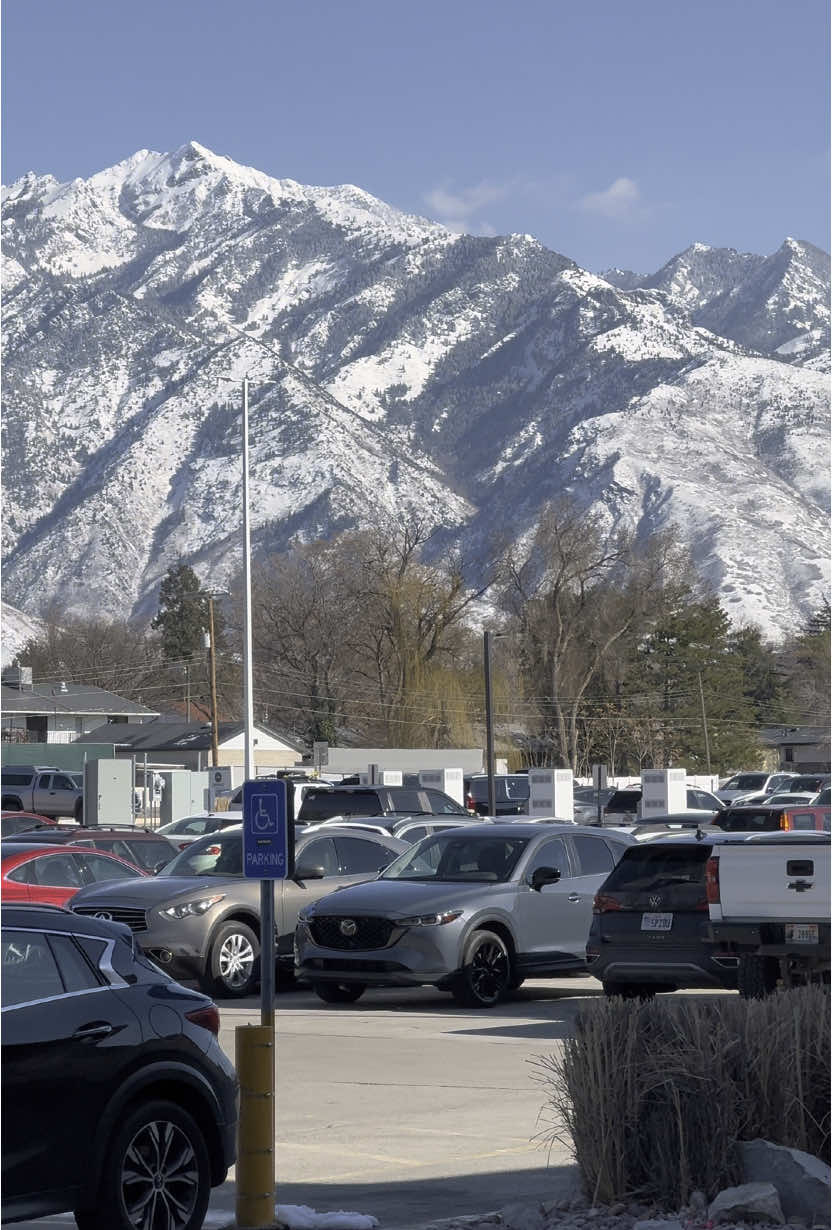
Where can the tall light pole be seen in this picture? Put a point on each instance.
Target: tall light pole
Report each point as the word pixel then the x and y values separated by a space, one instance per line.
pixel 489 724
pixel 212 669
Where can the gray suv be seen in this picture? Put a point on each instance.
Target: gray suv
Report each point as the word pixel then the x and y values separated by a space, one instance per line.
pixel 199 919
pixel 474 911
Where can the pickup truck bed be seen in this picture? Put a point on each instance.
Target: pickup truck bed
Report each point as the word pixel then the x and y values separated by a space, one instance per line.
pixel 769 904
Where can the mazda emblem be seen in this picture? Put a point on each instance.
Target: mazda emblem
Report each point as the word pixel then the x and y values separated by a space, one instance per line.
pixel 103 914
pixel 348 926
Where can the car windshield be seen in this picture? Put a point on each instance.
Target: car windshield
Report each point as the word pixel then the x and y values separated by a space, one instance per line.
pixel 217 854
pixel 459 858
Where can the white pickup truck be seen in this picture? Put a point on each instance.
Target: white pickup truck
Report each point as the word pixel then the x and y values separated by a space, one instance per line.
pixel 769 905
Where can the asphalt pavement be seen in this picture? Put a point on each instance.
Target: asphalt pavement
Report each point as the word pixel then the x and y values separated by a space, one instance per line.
pixel 407 1107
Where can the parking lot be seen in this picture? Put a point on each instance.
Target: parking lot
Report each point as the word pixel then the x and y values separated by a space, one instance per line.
pixel 408 1107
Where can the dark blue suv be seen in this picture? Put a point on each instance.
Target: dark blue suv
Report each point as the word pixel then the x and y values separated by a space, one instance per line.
pixel 119 1104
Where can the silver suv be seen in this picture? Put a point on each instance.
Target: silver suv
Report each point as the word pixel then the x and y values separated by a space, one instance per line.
pixel 474 911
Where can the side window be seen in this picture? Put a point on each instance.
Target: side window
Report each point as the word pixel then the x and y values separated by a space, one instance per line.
pixel 24 874
pixel 402 799
pixel 57 871
pixel 75 971
pixel 803 819
pixel 356 855
pixel 593 856
pixel 440 806
pixel 551 854
pixel 115 847
pixel 44 781
pixel 59 782
pixel 29 970
pixel 98 868
pixel 414 832
pixel 320 853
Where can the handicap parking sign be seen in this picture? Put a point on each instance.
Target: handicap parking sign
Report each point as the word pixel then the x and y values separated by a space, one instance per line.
pixel 265 830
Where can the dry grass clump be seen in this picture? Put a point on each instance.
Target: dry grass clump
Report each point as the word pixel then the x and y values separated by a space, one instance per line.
pixel 653 1096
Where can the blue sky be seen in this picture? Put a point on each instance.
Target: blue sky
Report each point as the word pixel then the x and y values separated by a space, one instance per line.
pixel 616 131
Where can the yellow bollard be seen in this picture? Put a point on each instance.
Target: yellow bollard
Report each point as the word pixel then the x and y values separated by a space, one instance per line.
pixel 254 1056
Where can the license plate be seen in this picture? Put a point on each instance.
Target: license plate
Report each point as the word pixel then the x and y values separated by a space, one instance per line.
pixel 656 922
pixel 801 933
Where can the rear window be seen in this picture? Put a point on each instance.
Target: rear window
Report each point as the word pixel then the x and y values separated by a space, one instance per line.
pixel 749 820
pixel 801 784
pixel 624 800
pixel 511 789
pixel 322 804
pixel 645 867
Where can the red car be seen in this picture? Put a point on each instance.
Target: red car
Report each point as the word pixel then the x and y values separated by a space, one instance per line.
pixel 23 821
pixel 52 875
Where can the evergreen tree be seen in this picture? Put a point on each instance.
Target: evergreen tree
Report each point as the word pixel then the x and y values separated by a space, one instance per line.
pixel 182 618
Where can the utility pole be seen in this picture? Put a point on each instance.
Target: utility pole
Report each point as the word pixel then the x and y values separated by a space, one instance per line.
pixel 188 691
pixel 704 723
pixel 212 663
pixel 489 724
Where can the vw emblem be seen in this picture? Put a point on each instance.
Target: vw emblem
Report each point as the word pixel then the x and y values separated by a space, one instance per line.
pixel 348 926
pixel 655 902
pixel 105 914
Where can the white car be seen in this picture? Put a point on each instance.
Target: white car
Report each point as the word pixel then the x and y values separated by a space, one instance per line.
pixel 753 783
pixel 189 828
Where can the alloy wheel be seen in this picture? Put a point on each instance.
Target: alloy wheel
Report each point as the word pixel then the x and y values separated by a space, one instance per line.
pixel 160 1178
pixel 489 971
pixel 236 959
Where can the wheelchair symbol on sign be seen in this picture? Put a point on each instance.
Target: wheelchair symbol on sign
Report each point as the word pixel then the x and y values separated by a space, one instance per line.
pixel 264 819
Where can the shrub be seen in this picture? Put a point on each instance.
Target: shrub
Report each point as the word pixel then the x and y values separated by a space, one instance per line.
pixel 653 1096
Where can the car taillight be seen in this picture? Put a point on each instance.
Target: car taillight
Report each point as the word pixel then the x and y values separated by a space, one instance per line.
pixel 470 802
pixel 208 1017
pixel 605 903
pixel 712 881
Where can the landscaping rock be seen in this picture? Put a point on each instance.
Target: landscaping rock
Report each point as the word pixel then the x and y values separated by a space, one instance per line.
pixel 522 1217
pixel 751 1201
pixel 658 1223
pixel 802 1181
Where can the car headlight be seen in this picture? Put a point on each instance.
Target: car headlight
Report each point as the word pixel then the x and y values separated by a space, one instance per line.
pixel 430 920
pixel 185 909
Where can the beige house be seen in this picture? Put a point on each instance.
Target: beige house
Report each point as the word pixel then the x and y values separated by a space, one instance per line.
pixel 188 744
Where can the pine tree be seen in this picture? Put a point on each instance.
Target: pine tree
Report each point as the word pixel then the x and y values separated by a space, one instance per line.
pixel 183 614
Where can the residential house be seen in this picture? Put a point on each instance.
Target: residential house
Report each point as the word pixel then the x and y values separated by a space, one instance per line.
pixel 58 712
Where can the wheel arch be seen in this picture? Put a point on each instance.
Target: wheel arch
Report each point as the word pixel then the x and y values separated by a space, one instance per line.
pixel 499 927
pixel 176 1083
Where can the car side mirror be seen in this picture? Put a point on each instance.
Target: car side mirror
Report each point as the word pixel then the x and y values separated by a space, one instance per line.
pixel 310 871
pixel 544 875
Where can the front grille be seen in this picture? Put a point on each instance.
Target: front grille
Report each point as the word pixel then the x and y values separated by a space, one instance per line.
pixel 369 932
pixel 135 919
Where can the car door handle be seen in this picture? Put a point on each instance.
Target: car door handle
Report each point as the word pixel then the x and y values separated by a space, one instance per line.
pixel 574 897
pixel 94 1031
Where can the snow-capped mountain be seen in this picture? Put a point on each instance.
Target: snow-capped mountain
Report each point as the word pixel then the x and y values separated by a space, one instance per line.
pixel 412 369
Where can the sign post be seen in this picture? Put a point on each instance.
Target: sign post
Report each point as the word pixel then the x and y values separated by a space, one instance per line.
pixel 268 855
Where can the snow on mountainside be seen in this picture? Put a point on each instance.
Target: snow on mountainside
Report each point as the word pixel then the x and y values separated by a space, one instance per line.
pixel 15 630
pixel 468 379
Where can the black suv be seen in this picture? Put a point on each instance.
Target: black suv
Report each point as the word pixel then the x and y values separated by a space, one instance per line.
pixel 349 801
pixel 650 920
pixel 117 1097
pixel 144 849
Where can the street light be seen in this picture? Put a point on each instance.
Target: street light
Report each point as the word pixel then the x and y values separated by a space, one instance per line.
pixel 489 720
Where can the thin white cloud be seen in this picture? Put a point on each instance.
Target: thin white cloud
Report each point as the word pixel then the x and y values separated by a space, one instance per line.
pixel 621 200
pixel 462 205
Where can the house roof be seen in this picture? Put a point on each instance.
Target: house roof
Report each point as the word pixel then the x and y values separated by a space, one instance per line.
pixel 160 735
pixel 796 735
pixel 68 698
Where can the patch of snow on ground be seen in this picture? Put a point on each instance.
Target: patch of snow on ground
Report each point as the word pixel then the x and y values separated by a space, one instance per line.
pixel 301 1217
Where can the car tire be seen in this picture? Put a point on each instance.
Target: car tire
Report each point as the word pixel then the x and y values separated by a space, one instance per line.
pixel 486 971
pixel 234 961
pixel 630 990
pixel 339 992
pixel 175 1172
pixel 756 976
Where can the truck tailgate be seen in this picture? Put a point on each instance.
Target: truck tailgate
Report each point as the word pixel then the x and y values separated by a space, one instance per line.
pixel 772 881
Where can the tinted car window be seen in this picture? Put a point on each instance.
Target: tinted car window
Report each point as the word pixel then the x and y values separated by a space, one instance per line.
pixel 57 871
pixel 551 854
pixel 624 800
pixel 593 855
pixel 319 853
pixel 807 782
pixel 29 970
pixel 440 805
pixel 321 804
pixel 645 867
pixel 403 799
pixel 749 781
pixel 98 868
pixel 512 788
pixel 60 782
pixel 16 779
pixel 459 859
pixel 75 970
pixel 148 854
pixel 749 820
pixel 356 855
